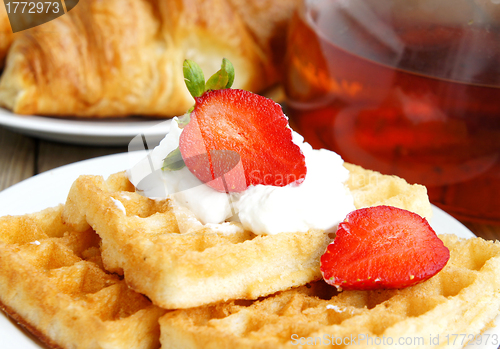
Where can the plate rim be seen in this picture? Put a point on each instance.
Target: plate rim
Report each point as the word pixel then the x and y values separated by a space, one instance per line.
pixel 116 131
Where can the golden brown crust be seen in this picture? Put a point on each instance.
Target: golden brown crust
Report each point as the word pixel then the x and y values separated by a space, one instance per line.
pixel 124 57
pixel 32 330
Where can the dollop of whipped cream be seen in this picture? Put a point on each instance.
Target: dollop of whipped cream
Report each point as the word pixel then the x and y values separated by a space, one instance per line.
pixel 321 201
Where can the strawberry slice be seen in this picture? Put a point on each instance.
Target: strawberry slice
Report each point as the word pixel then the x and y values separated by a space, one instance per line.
pixel 231 126
pixel 383 247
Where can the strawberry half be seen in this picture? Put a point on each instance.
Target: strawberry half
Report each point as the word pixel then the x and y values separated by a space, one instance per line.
pixel 383 247
pixel 236 138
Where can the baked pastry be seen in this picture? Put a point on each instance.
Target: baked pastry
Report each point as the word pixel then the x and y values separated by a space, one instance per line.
pixel 6 35
pixel 124 57
pixel 448 310
pixel 52 282
pixel 169 256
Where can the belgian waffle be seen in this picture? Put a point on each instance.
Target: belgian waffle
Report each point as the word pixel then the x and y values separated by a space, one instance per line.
pixel 447 310
pixel 142 239
pixel 52 282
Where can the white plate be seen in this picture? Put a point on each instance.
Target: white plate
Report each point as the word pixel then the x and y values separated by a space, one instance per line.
pixel 50 188
pixel 82 131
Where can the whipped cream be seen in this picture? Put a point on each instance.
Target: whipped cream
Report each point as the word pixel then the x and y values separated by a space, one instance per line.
pixel 321 201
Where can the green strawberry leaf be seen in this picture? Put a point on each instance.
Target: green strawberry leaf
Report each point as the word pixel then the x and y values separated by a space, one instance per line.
pixel 223 78
pixel 183 120
pixel 194 78
pixel 173 161
pixel 229 68
pixel 217 81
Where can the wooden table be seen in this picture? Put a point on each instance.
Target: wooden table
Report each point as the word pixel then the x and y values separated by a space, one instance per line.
pixel 22 157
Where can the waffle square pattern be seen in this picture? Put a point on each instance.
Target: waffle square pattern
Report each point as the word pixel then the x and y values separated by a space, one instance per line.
pixel 446 311
pixel 52 282
pixel 165 253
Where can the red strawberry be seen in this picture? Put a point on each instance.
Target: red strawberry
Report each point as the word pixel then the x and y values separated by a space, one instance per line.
pixel 229 125
pixel 383 247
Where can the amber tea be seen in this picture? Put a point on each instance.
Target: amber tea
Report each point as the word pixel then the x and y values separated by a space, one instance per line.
pixel 403 92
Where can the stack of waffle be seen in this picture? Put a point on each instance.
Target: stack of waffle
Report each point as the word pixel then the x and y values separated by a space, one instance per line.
pixel 113 269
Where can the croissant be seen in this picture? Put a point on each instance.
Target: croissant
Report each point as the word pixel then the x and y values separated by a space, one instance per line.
pixel 124 57
pixel 6 35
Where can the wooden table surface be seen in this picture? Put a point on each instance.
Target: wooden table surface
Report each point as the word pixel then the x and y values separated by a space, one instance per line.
pixel 22 157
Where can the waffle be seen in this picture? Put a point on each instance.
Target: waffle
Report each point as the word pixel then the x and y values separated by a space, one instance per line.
pixel 371 188
pixel 52 282
pixel 463 299
pixel 177 262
